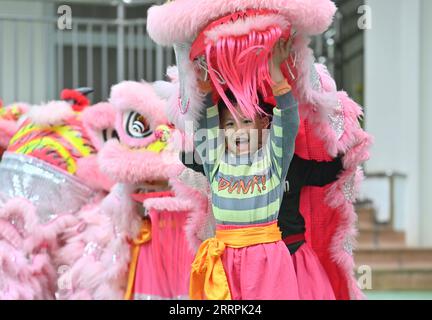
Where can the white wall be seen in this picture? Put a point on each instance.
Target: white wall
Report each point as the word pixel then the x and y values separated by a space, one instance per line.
pixel 426 124
pixel 397 75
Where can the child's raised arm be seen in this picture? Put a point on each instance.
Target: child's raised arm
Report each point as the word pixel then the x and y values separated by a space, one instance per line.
pixel 283 133
pixel 207 140
pixel 286 118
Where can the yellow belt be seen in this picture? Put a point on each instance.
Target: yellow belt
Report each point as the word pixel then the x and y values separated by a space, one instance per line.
pixel 143 237
pixel 208 279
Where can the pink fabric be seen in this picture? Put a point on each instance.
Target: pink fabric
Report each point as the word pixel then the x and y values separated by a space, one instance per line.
pixel 312 279
pixel 261 272
pixel 243 62
pixel 164 263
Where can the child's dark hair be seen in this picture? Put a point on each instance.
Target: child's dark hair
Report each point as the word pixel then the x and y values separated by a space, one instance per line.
pixel 266 107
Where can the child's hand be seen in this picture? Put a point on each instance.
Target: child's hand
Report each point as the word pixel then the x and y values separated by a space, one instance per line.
pixel 281 53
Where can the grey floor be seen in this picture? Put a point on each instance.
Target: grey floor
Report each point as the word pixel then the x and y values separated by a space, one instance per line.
pixel 399 295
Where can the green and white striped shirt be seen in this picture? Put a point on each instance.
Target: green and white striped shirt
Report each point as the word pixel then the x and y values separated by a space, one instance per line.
pixel 248 189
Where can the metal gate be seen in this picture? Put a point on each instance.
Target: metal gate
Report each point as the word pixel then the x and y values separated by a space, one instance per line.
pixel 40 59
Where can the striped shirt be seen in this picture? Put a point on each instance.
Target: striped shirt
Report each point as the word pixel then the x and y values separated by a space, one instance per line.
pixel 248 189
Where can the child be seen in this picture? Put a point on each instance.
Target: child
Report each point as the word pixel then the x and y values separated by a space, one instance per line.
pixel 247 258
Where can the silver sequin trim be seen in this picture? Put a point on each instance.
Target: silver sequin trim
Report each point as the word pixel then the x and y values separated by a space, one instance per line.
pixel 348 246
pixel 315 79
pixel 182 51
pixel 52 191
pixel 93 249
pixel 348 189
pixel 337 121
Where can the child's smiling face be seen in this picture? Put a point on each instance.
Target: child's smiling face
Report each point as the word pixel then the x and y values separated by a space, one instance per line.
pixel 244 136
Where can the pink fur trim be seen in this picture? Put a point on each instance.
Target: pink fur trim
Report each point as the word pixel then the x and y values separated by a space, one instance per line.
pixel 140 166
pixel 140 97
pixel 92 272
pixel 165 89
pixel 97 118
pixel 97 251
pixel 327 82
pixel 354 144
pixel 89 172
pixel 320 103
pixel 46 236
pixel 27 272
pixel 243 27
pixel 185 121
pixel 52 113
pixel 243 63
pixel 181 21
pixel 22 209
pixel 169 204
pixel 24 278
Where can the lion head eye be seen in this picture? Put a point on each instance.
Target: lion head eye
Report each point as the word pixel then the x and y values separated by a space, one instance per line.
pixel 137 126
pixel 109 133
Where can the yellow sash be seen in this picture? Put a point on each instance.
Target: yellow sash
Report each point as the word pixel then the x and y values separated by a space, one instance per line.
pixel 143 237
pixel 208 279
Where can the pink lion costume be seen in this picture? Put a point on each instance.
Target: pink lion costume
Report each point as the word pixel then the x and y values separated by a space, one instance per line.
pixel 232 41
pixel 47 177
pixel 9 122
pixel 135 244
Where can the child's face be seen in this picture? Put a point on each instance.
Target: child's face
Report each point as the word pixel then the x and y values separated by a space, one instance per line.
pixel 244 136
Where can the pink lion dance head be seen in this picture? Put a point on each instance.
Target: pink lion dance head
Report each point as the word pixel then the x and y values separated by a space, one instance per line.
pixel 233 42
pixel 144 137
pixel 49 173
pixel 144 164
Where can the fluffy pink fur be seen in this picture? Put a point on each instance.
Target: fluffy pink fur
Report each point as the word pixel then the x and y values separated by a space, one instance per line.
pixel 243 27
pixel 97 118
pixel 140 165
pixel 184 121
pixel 52 113
pixel 27 272
pixel 354 144
pixel 89 172
pixel 92 274
pixel 97 250
pixel 138 96
pixel 243 63
pixel 180 21
pixel 321 103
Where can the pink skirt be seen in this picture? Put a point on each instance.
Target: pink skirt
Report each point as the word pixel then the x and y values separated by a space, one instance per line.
pixel 260 272
pixel 312 280
pixel 164 263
